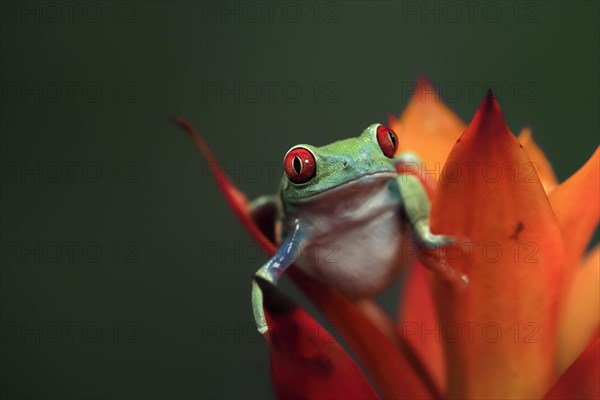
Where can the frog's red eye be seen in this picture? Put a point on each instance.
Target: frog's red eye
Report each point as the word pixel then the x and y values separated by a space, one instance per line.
pixel 299 165
pixel 387 140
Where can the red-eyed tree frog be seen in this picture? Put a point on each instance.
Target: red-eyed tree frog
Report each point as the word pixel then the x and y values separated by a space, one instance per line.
pixel 346 217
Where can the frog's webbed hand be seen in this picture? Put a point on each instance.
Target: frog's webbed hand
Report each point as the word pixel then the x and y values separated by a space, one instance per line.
pixel 288 252
pixel 417 208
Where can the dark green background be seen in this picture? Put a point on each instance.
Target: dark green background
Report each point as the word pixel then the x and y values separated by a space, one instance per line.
pixel 183 313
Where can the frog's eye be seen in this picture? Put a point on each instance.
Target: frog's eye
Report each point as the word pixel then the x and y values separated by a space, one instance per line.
pixel 387 141
pixel 299 165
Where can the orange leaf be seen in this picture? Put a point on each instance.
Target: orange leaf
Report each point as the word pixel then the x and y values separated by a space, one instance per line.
pixel 580 312
pixel 582 379
pixel 538 158
pixel 500 331
pixel 428 128
pixel 576 203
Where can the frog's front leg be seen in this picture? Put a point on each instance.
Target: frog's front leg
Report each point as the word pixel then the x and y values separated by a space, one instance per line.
pixel 288 252
pixel 416 205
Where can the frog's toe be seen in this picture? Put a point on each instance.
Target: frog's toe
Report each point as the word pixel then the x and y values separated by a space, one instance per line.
pixel 430 240
pixel 258 308
pixel 266 296
pixel 436 241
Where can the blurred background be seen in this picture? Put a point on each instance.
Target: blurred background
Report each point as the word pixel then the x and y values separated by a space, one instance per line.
pixel 124 274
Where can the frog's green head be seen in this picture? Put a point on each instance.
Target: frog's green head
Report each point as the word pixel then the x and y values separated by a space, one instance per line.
pixel 314 171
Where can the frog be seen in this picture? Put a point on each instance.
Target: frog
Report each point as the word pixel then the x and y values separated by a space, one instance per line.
pixel 344 215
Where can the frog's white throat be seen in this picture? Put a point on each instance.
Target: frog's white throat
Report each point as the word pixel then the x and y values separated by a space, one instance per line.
pixel 358 238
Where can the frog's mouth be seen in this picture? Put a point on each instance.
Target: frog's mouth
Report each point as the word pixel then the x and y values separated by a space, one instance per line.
pixel 349 187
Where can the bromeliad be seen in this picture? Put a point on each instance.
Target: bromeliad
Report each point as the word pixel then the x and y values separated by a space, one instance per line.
pixel 530 309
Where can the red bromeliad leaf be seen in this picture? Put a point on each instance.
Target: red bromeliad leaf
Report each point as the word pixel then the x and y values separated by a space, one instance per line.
pixel 418 324
pixel 388 364
pixel 236 199
pixel 379 317
pixel 395 376
pixel 582 379
pixel 306 362
pixel 499 333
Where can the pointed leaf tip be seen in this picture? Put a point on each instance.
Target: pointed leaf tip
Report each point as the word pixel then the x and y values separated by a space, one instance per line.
pixel 423 84
pixel 235 198
pixel 488 119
